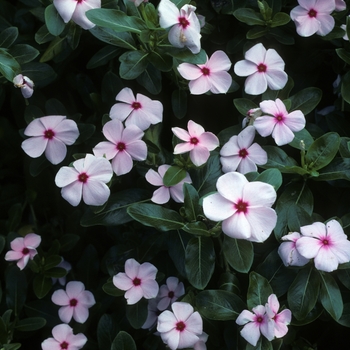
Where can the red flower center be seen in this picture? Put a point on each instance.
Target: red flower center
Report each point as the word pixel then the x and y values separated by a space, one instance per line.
pixel 183 22
pixel 259 319
pixel 136 105
pixel 49 134
pixel 279 117
pixel 171 294
pixel 73 302
pixel 262 68
pixel 194 140
pixel 243 153
pixel 241 206
pixel 325 241
pixel 180 326
pixel 136 281
pixel 25 251
pixel 121 146
pixel 205 71
pixel 83 177
pixel 64 345
pixel 312 13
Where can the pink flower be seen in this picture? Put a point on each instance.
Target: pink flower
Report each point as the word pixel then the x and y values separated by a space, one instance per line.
pixel 181 328
pixel 211 75
pixel 63 338
pixel 23 249
pixel 170 292
pixel 123 146
pixel 340 5
pixel 25 84
pixel 152 315
pixel 256 323
pixel 279 122
pixel 65 265
pixel 50 134
pixel 75 302
pixel 140 111
pixel 185 31
pixel 241 154
pixel 163 194
pixel 313 16
pixel 280 320
pixel 200 345
pixel 326 244
pixel 138 2
pixel 87 178
pixel 243 207
pixel 252 114
pixel 288 251
pixel 197 142
pixel 138 281
pixel 264 68
pixel 75 10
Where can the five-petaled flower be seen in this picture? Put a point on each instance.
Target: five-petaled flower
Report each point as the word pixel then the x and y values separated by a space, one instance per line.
pixel 211 75
pixel 163 193
pixel 25 84
pixel 23 249
pixel 181 328
pixel 197 142
pixel 170 292
pixel 86 179
pixel 75 10
pixel 313 16
pixel 264 68
pixel 186 27
pixel 278 122
pixel 140 110
pixel 123 146
pixel 288 251
pixel 241 154
pixel 326 243
pixel 243 207
pixel 64 339
pixel 50 134
pixel 138 281
pixel 75 302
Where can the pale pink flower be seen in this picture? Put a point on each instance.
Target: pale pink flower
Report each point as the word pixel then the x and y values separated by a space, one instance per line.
pixel 345 37
pixel 163 193
pixel 75 10
pixel 313 16
pixel 252 114
pixel 197 142
pixel 278 122
pixel 64 265
pixel 75 302
pixel 25 84
pixel 138 281
pixel 138 2
pixel 264 68
pixel 23 249
pixel 123 146
pixel 280 320
pixel 241 154
pixel 211 75
pixel 186 27
pixel 50 134
pixel 152 315
pixel 86 179
pixel 327 244
pixel 340 5
pixel 63 338
pixel 256 323
pixel 181 328
pixel 200 345
pixel 288 251
pixel 140 111
pixel 170 292
pixel 243 207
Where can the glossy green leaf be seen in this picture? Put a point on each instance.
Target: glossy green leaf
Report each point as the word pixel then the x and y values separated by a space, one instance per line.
pixel 344 320
pixel 280 19
pixel 151 79
pixel 306 100
pixel 132 64
pixel 338 168
pixel 258 291
pixel 8 36
pixel 109 36
pixel 197 228
pixel 249 16
pixel 272 177
pixel 23 53
pixel 13 346
pixel 30 324
pixel 102 57
pixel 257 32
pixel 297 217
pixel 278 159
pixel 199 261
pixel 73 35
pixel 219 305
pixel 137 313
pixel 243 105
pixel 9 67
pixel 343 54
pixel 302 140
pixel 110 289
pixel 41 285
pixel 191 202
pixel 56 272
pixel 56 47
pixel 174 175
pixel 43 35
pixel 53 20
pixel 185 55
pixel 107 330
pixel 162 62
pixel 123 341
pixel 229 281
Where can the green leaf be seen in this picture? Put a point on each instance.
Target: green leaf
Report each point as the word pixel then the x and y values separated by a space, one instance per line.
pixel 186 55
pixel 330 296
pixel 197 228
pixel 239 253
pixel 258 291
pixel 41 73
pixel 151 79
pixel 174 175
pixel 110 289
pixel 243 105
pixel 345 87
pixel 155 216
pixel 102 57
pixel 343 54
pixel 344 277
pixel 257 32
pixel 322 151
pixel 23 53
pixel 344 320
pixel 303 293
pixel 338 168
pixel 191 202
pixel 302 140
pixel 132 64
pixel 219 305
pixel 53 20
pixel 137 313
pixel 199 261
pixel 9 67
pixel 162 62
pixel 8 36
pixel 179 103
pixel 68 242
pixel 116 20
pixel 279 19
pixel 249 16
pixel 109 36
pixel 297 217
pixel 306 100
pixel 55 272
pixel 107 330
pixel 43 35
pixel 41 285
pixel 30 324
pixel 123 341
pixel 278 159
pixel 55 48
pixel 272 177
pixel 13 346
pixel 73 35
